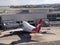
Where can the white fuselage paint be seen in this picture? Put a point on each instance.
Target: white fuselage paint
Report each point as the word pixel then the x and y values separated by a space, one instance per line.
pixel 27 26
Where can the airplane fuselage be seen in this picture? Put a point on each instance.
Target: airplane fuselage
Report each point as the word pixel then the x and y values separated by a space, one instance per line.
pixel 27 26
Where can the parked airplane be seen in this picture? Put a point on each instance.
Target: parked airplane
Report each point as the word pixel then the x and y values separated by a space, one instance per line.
pixel 27 27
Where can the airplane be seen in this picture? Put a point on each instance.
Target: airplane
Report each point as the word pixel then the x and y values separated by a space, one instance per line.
pixel 30 28
pixel 27 27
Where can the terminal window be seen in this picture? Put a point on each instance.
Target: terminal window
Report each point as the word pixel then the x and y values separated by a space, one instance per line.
pixel 58 9
pixel 25 11
pixel 58 15
pixel 53 17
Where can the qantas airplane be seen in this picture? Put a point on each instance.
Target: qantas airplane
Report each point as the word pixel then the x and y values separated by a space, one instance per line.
pixel 30 28
pixel 27 27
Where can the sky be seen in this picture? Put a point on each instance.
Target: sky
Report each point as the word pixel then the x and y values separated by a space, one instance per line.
pixel 27 2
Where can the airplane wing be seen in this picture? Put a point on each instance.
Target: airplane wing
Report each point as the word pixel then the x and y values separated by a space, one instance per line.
pixel 13 30
pixel 9 31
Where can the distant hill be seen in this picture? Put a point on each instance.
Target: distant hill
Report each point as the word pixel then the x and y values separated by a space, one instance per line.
pixel 4 7
pixel 37 6
pixel 33 6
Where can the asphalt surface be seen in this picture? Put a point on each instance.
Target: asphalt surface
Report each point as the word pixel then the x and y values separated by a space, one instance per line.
pixel 24 38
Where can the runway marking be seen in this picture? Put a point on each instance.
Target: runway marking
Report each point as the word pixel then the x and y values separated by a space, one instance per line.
pixel 34 34
pixel 29 42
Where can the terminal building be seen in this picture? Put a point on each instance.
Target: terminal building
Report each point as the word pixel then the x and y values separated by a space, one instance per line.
pixel 32 15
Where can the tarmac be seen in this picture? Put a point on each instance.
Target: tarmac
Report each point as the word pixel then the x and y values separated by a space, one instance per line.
pixel 52 37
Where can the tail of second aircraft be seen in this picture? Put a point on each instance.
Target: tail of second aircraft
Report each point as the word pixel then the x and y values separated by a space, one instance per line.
pixel 38 27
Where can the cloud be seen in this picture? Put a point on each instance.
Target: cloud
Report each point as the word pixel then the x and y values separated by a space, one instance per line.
pixel 27 2
pixel 44 1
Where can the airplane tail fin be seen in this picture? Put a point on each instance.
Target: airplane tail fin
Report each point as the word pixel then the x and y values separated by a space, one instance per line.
pixel 38 27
